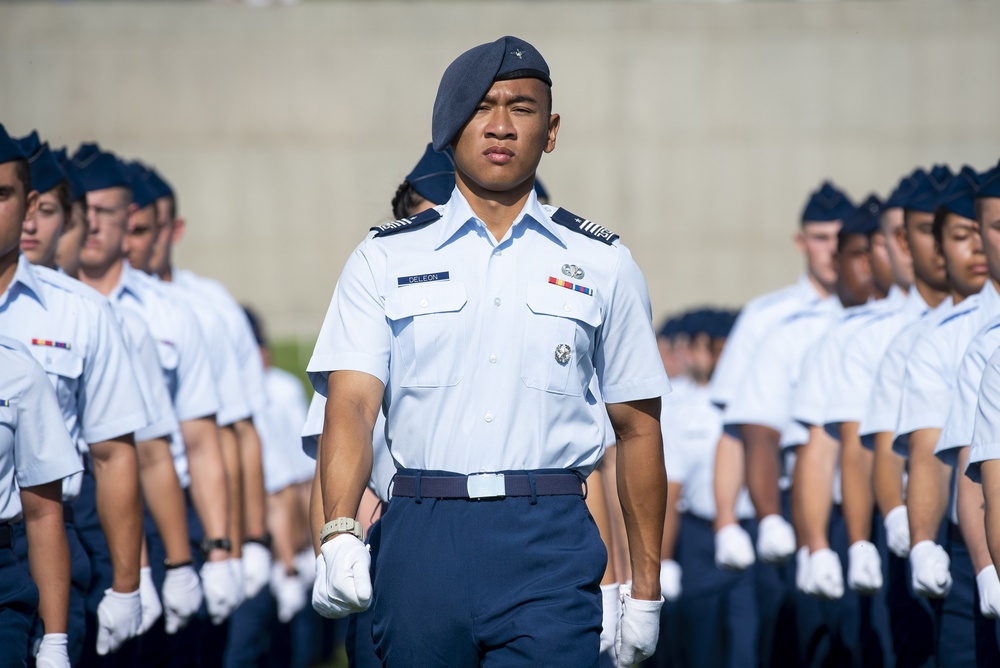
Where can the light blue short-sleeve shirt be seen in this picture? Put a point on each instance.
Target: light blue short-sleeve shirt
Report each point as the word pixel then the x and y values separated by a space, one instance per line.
pixel 280 426
pixel 986 430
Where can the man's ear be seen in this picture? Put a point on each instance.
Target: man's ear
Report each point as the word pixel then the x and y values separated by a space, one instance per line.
pixel 799 239
pixel 904 240
pixel 180 226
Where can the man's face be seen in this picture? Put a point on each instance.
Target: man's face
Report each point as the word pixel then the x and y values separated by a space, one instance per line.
pixel 818 242
pixel 883 275
pixel 107 216
pixel 141 239
pixel 13 208
pixel 499 147
pixel 964 258
pixel 988 216
pixel 160 256
pixel 928 263
pixel 71 241
pixel 854 265
pixel 42 229
pixel 891 224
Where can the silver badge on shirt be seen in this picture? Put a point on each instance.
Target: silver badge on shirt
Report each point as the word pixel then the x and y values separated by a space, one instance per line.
pixel 563 352
pixel 573 271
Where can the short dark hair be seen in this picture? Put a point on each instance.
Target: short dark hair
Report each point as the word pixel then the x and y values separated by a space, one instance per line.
pixel 62 192
pixel 937 229
pixel 23 173
pixel 405 199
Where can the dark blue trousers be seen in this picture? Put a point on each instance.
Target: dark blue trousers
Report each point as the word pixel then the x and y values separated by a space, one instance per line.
pixel 966 637
pixel 503 582
pixel 250 631
pixel 913 619
pixel 18 605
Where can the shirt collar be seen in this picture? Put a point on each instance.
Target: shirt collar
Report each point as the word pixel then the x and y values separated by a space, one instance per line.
pixel 26 277
pixel 457 213
pixel 127 283
pixel 989 298
pixel 807 289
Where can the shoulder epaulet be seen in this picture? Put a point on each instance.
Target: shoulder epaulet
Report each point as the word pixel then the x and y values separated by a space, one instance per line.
pixel 404 224
pixel 583 226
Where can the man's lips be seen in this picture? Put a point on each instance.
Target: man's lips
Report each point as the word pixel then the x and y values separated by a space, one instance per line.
pixel 499 155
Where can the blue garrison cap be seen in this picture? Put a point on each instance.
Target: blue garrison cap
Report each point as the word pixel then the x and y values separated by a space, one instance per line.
pixel 926 196
pixel 46 173
pixel 9 149
pixel 76 189
pixel 434 176
pixel 989 184
pixel 827 204
pixel 98 169
pixel 901 195
pixel 158 184
pixel 138 180
pixel 470 76
pixel 669 328
pixel 958 198
pixel 540 190
pixel 721 323
pixel 864 219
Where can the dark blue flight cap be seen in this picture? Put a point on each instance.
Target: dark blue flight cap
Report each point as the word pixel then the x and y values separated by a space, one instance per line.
pixel 76 189
pixel 827 204
pixel 540 191
pixel 864 219
pixel 927 194
pixel 138 180
pixel 98 169
pixel 434 176
pixel 669 328
pixel 989 185
pixel 159 185
pixel 958 198
pixel 470 76
pixel 45 170
pixel 9 149
pixel 901 195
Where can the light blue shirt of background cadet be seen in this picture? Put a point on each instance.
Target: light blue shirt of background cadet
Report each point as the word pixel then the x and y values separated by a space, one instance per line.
pixel 469 361
pixel 855 380
pixel 35 447
pixel 882 414
pixel 986 432
pixel 77 340
pixel 280 426
pixel 961 421
pixel 160 419
pixel 691 427
pixel 756 319
pixel 932 367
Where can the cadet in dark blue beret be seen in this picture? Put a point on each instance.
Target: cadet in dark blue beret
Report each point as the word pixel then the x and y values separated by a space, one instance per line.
pixel 53 213
pixel 824 212
pixel 142 226
pixel 429 184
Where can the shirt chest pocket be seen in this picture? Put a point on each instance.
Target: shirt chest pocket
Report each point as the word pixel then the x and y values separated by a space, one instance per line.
pixel 559 339
pixel 64 368
pixel 429 325
pixel 169 360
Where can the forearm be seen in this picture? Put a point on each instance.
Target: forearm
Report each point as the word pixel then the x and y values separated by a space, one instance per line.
pixel 280 525
pixel 730 466
pixel 119 508
pixel 208 489
pixel 316 520
pixel 856 483
pixel 812 489
pixel 927 491
pixel 597 503
pixel 888 469
pixel 345 446
pixel 991 492
pixel 234 486
pixel 48 553
pixel 619 543
pixel 671 522
pixel 251 465
pixel 763 467
pixel 972 517
pixel 161 490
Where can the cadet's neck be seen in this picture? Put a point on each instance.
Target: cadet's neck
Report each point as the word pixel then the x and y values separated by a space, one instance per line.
pixel 167 275
pixel 822 290
pixel 931 296
pixel 497 210
pixel 103 280
pixel 8 265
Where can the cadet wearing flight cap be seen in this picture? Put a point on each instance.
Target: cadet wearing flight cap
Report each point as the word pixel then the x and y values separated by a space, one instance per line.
pixel 499 412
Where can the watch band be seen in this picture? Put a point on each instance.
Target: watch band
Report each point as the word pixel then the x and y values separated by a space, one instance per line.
pixel 209 544
pixel 264 540
pixel 342 525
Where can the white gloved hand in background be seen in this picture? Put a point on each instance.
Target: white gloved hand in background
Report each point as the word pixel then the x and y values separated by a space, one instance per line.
pixel 733 548
pixel 151 606
pixel 930 570
pixel 118 619
pixel 182 597
pixel 288 593
pixel 256 568
pixel 989 592
pixel 53 651
pixel 344 586
pixel 611 611
pixel 826 574
pixel 803 579
pixel 305 564
pixel 638 629
pixel 775 539
pixel 897 531
pixel 864 568
pixel 222 583
pixel 670 579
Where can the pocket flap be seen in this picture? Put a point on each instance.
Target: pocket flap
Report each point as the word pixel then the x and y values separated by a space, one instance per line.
pixel 549 299
pixel 61 362
pixel 412 300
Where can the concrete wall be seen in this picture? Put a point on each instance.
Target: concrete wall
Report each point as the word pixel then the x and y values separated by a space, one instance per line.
pixel 693 130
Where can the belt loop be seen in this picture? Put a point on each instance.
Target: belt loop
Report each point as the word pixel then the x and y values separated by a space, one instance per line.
pixel 586 485
pixel 416 492
pixel 531 483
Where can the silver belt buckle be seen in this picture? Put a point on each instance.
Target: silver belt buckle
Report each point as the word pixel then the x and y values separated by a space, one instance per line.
pixel 486 486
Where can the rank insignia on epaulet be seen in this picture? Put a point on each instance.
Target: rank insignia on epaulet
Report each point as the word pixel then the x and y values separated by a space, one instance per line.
pixel 403 224
pixel 584 226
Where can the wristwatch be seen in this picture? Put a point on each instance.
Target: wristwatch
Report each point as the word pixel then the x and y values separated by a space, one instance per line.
pixel 264 541
pixel 342 525
pixel 209 544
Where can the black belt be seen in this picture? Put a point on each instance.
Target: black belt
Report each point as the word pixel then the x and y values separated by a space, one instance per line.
pixel 6 536
pixel 487 485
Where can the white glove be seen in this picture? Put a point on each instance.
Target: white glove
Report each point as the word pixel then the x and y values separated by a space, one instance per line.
pixel 638 629
pixel 118 619
pixel 864 568
pixel 256 568
pixel 670 579
pixel 733 548
pixel 343 584
pixel 222 583
pixel 53 651
pixel 237 565
pixel 826 574
pixel 288 593
pixel 897 531
pixel 803 578
pixel 989 592
pixel 305 564
pixel 775 539
pixel 181 597
pixel 151 607
pixel 930 570
pixel 612 610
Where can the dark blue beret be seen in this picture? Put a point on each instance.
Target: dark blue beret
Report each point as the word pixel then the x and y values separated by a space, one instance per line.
pixel 434 176
pixel 827 204
pixel 927 194
pixel 864 219
pixel 901 195
pixel 958 198
pixel 9 149
pixel 98 169
pixel 76 189
pixel 46 173
pixel 540 191
pixel 989 185
pixel 158 184
pixel 138 180
pixel 470 76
